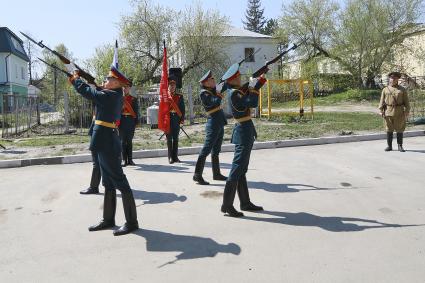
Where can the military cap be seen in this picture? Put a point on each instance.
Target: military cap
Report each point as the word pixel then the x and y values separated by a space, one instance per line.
pixel 231 73
pixel 395 74
pixel 115 73
pixel 206 76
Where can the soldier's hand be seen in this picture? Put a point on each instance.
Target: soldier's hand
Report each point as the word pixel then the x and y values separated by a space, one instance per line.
pixel 75 75
pixel 252 82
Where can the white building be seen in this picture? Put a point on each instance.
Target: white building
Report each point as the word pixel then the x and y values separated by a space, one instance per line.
pixel 240 43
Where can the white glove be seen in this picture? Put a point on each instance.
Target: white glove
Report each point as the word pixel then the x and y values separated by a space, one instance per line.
pixel 219 87
pixel 252 82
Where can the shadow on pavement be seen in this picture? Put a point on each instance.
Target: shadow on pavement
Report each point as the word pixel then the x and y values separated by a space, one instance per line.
pixel 417 151
pixel 208 164
pixel 189 247
pixel 289 188
pixel 328 223
pixel 155 197
pixel 10 151
pixel 162 168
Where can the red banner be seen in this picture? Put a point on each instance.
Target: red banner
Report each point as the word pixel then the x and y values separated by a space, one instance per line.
pixel 164 103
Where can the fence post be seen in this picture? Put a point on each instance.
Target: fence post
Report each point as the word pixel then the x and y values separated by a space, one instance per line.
pixel 190 100
pixel 15 100
pixel 66 110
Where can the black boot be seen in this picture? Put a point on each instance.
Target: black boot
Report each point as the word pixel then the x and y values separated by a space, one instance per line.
pixel 199 168
pixel 170 150
pixel 130 212
pixel 94 182
pixel 389 141
pixel 176 150
pixel 400 142
pixel 124 154
pixel 109 208
pixel 215 163
pixel 130 154
pixel 228 198
pixel 243 193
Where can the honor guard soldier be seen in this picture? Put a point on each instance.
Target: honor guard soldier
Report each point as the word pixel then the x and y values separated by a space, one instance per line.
pixel 129 120
pixel 95 174
pixel 243 137
pixel 177 111
pixel 394 106
pixel 214 129
pixel 106 143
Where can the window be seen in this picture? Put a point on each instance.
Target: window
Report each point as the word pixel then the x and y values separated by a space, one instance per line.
pixel 23 73
pixel 16 71
pixel 249 54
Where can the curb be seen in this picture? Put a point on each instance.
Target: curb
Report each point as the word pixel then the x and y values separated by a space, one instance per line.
pixel 195 150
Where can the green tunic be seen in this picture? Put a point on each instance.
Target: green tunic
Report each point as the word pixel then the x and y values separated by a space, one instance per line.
pixel 396 102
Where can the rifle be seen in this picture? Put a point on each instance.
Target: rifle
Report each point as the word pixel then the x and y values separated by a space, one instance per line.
pixel 221 86
pixel 89 78
pixel 264 69
pixel 55 67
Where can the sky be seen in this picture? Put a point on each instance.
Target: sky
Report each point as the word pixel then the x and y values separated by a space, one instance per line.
pixel 83 25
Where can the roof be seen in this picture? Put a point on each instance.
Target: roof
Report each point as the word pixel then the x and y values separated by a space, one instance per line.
pixel 11 43
pixel 238 32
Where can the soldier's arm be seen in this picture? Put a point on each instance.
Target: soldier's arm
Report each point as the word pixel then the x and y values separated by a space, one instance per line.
pixel 210 100
pixel 382 101
pixel 406 103
pixel 86 90
pixel 136 109
pixel 182 109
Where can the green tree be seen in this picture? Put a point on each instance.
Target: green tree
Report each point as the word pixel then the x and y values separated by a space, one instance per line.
pixel 270 27
pixel 254 16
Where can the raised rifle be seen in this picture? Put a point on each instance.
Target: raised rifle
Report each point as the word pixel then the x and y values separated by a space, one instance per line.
pixel 264 69
pixel 89 78
pixel 56 67
pixel 221 87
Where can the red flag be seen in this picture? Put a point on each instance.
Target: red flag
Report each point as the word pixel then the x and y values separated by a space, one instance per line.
pixel 164 103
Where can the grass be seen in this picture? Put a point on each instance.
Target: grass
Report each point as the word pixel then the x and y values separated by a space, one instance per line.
pixel 46 141
pixel 323 124
pixel 347 97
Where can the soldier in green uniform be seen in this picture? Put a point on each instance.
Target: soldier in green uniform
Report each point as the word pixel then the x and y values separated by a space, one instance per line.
pixel 106 143
pixel 129 119
pixel 177 112
pixel 214 129
pixel 243 137
pixel 394 106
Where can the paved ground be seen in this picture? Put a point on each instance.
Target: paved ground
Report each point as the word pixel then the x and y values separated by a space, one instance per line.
pixel 334 213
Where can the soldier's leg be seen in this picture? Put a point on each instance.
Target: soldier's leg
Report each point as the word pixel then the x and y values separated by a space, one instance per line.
pixel 400 142
pixel 120 183
pixel 109 200
pixel 238 165
pixel 215 161
pixel 175 132
pixel 123 139
pixel 200 163
pixel 170 148
pixel 95 176
pixel 130 146
pixel 389 126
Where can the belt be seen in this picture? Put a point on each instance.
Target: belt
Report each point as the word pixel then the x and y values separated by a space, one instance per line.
pixel 127 114
pixel 218 108
pixel 243 119
pixel 105 124
pixel 173 111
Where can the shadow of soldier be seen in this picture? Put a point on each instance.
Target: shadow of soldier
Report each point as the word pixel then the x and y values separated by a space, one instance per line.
pixel 155 197
pixel 162 168
pixel 188 247
pixel 287 188
pixel 208 164
pixel 328 223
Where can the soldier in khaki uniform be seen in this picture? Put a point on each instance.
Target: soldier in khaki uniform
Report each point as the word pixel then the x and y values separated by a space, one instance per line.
pixel 394 107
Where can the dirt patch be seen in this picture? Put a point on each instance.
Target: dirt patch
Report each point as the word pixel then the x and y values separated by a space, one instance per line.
pixel 50 197
pixel 212 194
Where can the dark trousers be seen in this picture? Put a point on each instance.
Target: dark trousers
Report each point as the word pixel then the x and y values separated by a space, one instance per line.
pixel 173 136
pixel 95 179
pixel 127 128
pixel 213 142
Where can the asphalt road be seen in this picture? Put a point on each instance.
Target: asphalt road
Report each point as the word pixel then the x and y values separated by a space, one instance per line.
pixel 334 213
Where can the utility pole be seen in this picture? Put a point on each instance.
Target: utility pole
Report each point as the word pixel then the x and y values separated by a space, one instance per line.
pixel 55 87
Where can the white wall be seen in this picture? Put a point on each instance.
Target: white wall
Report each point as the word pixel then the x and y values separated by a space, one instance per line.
pixel 2 68
pixel 235 49
pixel 19 70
